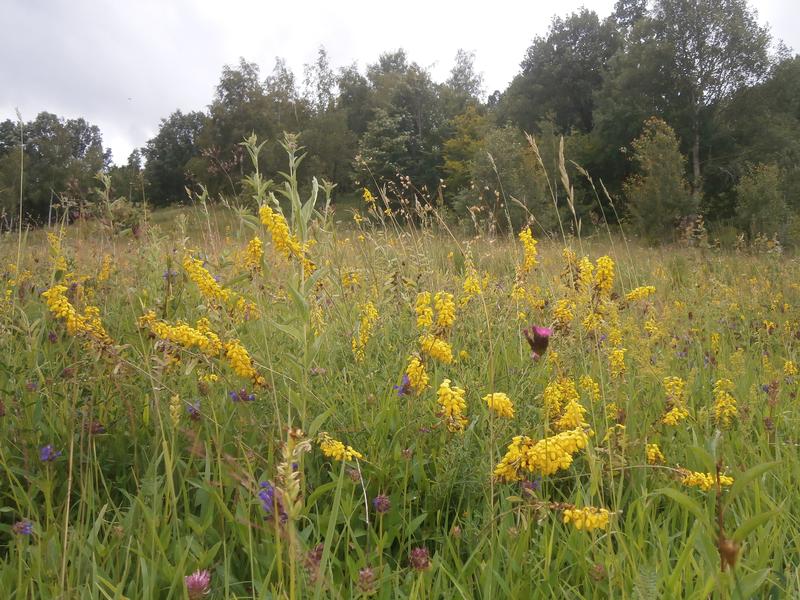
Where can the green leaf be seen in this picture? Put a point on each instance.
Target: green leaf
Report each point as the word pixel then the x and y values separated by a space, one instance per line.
pixel 686 502
pixel 744 480
pixel 756 521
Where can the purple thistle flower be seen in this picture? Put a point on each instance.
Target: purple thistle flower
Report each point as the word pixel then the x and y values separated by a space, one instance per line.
pixel 381 504
pixel 47 454
pixel 404 387
pixel 22 527
pixel 198 584
pixel 538 339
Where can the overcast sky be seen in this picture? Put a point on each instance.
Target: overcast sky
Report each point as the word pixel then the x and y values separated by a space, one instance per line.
pixel 124 65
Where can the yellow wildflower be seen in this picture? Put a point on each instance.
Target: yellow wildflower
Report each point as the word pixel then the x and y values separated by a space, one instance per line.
pixel 436 348
pixel 501 404
pixel 545 456
pixel 87 324
pixel 337 450
pixel 369 315
pixel 253 255
pixel 640 293
pixel 445 310
pixel 241 363
pixel 724 403
pixel 424 310
pixel 604 277
pixel 417 375
pixel 654 454
pixel 587 518
pixel 283 240
pixel 617 362
pixel 452 406
pixel 529 249
pixel 704 481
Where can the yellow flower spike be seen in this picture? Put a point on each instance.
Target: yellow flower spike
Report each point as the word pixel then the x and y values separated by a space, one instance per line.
pixel 452 406
pixel 529 250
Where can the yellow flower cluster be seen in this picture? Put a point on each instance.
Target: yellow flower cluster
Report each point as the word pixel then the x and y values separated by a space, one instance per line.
pixel 87 324
pixel 724 403
pixel 590 386
pixel 585 274
pixel 704 481
pixel 424 310
pixel 640 293
pixel 616 360
pixel 56 253
pixel 337 450
pixel 105 269
pixel 369 315
pixel 436 348
pixel 253 255
pixel 529 249
pixel 789 368
pixel 545 456
pixel 204 339
pixel 283 240
pixel 604 276
pixel 563 312
pixel 573 416
pixel 241 362
pixel 350 279
pixel 445 310
pixel 452 406
pixel 417 375
pixel 675 389
pixel 175 409
pixel 654 454
pixel 587 518
pixel 557 394
pixel 501 404
pixel 209 287
pixel 368 197
pixel 181 334
pixel 472 285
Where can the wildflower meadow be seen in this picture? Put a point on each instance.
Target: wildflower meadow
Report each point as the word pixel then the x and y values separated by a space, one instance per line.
pixel 289 399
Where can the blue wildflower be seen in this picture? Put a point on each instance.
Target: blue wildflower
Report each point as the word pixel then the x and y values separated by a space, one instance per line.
pixel 47 454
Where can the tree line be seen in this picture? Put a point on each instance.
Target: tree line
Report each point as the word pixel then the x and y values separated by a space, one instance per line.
pixel 672 108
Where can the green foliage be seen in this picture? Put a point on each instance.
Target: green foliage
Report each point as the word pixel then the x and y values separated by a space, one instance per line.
pixel 658 195
pixel 760 205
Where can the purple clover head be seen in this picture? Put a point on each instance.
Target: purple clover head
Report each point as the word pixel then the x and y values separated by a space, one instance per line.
pixel 419 558
pixel 381 504
pixel 198 584
pixel 48 454
pixel 538 339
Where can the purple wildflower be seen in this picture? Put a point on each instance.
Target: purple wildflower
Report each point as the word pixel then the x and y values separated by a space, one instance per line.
pixel 242 396
pixel 193 410
pixel 52 337
pixel 419 558
pixel 538 339
pixel 270 501
pixel 22 527
pixel 404 387
pixel 381 504
pixel 47 454
pixel 198 584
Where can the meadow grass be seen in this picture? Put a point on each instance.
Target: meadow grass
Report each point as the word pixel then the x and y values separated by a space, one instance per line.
pixel 136 453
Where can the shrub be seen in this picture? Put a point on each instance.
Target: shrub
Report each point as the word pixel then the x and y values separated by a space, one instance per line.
pixel 658 195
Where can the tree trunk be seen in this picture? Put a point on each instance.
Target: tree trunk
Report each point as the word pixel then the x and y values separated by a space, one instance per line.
pixel 696 182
